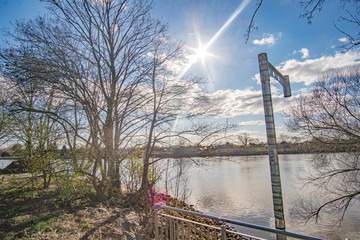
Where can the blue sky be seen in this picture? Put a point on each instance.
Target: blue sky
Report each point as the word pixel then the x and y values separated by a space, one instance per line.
pixel 296 48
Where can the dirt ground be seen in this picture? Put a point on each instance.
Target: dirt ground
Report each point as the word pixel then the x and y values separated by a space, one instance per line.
pixel 39 214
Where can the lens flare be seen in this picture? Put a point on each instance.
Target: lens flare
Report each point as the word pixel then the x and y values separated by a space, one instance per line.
pixel 200 52
pixel 238 10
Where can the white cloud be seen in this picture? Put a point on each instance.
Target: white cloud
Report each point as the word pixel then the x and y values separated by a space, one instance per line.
pixel 178 67
pixel 310 70
pixel 252 123
pixel 230 103
pixel 304 51
pixel 268 39
pixel 343 39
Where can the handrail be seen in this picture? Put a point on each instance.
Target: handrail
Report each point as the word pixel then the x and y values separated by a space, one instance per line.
pixel 290 234
pixel 211 227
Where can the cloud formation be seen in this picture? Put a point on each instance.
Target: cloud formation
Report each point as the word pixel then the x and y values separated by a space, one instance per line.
pixel 310 70
pixel 268 39
pixel 231 103
pixel 343 39
pixel 252 123
pixel 304 51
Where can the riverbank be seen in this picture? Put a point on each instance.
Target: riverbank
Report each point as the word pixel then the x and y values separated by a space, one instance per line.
pixel 17 167
pixel 222 153
pixel 39 213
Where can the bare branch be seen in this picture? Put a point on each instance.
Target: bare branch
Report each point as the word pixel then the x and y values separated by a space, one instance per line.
pixel 251 26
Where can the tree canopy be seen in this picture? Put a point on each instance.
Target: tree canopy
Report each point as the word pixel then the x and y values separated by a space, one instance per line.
pixel 102 76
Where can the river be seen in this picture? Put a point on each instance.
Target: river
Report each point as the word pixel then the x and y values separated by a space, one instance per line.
pixel 4 163
pixel 239 188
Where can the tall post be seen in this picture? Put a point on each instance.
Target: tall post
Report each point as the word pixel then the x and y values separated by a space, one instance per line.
pixel 271 141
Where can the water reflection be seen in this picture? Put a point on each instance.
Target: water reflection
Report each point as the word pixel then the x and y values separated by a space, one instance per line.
pixel 239 188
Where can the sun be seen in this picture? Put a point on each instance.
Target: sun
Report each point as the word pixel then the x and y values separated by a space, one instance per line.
pixel 201 53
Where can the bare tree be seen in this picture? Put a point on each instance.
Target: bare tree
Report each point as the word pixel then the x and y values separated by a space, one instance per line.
pixel 352 39
pixel 252 25
pixel 176 178
pixel 4 118
pixel 108 63
pixel 30 122
pixel 93 53
pixel 330 116
pixel 3 126
pixel 245 139
pixel 173 101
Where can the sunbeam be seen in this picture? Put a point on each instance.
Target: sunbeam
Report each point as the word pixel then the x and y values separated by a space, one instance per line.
pixel 239 9
pixel 200 52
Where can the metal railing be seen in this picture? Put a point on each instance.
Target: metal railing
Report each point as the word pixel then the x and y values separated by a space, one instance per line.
pixel 174 223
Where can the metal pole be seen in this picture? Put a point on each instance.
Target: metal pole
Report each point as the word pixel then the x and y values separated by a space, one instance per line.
pixel 271 141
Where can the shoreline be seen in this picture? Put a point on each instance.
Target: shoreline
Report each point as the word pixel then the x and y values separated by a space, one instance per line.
pixel 223 154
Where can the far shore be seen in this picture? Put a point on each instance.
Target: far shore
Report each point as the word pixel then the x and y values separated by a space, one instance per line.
pixel 216 153
pixel 17 166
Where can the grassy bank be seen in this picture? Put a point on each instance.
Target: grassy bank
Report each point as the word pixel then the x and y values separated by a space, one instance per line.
pixel 31 212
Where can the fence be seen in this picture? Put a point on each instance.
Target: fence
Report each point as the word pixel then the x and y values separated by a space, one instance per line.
pixel 173 223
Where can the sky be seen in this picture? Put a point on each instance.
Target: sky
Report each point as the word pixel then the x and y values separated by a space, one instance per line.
pixel 230 68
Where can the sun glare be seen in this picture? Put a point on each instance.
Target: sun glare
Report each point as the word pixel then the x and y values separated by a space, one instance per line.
pixel 201 53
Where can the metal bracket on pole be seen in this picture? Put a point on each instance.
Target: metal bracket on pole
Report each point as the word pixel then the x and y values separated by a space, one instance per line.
pixel 283 80
pixel 266 71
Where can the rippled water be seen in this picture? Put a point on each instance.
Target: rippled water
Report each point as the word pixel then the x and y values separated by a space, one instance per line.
pixel 239 188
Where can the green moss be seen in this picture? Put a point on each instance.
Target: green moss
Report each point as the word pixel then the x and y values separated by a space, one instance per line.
pixel 41 227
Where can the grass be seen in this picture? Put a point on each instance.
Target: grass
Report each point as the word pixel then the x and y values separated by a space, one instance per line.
pixel 41 227
pixel 32 212
pixel 25 211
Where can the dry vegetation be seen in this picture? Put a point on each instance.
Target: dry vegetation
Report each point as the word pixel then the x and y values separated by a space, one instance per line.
pixel 32 212
pixel 36 213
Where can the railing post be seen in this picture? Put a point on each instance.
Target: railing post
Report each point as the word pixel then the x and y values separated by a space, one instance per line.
pixel 167 230
pixel 161 220
pixel 223 233
pixel 182 231
pixel 156 224
pixel 171 229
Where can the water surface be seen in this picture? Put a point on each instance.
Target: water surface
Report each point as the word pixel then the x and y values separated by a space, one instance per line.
pixel 4 163
pixel 239 188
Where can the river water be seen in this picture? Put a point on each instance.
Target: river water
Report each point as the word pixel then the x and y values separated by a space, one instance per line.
pixel 239 188
pixel 4 163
